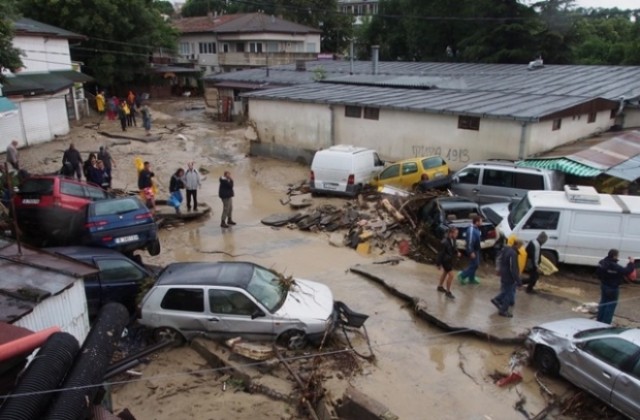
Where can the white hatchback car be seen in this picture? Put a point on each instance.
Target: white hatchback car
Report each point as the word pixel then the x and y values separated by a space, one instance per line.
pixel 230 299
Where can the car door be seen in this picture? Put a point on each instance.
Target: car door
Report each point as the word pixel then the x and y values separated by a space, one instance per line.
pixel 410 175
pixel 595 365
pixel 238 314
pixel 548 221
pixel 495 186
pixel 120 280
pixel 93 293
pixel 183 308
pixel 465 183
pixel 626 389
pixel 390 175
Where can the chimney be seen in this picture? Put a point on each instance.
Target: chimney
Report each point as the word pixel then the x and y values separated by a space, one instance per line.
pixel 375 54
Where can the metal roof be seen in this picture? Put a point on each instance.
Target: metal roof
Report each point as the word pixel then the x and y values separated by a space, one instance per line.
pixel 508 105
pixel 26 26
pixel 618 156
pixel 44 82
pixel 610 82
pixel 31 276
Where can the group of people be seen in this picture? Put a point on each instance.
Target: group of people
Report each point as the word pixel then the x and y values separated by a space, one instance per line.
pixel 190 181
pixel 514 260
pixel 96 169
pixel 125 109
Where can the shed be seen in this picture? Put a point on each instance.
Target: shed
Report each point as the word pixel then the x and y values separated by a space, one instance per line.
pixel 39 290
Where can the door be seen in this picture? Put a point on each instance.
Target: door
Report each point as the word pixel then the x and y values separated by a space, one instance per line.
pixel 234 313
pixel 547 221
pixel 496 186
pixel 465 183
pixel 120 281
pixel 182 308
pixel 626 390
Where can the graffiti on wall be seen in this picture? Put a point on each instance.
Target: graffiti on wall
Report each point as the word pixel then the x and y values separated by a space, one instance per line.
pixel 450 154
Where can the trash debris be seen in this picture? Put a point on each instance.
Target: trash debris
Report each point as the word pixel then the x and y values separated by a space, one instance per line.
pixel 253 351
pixel 587 308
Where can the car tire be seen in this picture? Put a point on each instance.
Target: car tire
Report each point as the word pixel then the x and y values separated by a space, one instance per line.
pixel 154 248
pixel 551 256
pixel 293 339
pixel 546 361
pixel 168 334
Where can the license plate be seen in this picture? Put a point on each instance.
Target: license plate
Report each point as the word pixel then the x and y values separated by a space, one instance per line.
pixel 125 239
pixel 330 185
pixel 30 201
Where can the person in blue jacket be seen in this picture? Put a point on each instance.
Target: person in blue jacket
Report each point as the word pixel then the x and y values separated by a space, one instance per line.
pixel 611 275
pixel 473 252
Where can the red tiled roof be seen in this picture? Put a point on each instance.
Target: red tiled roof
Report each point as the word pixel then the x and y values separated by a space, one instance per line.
pixel 240 23
pixel 201 23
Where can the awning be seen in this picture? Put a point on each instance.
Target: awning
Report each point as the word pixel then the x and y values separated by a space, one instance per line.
pixel 618 157
pixel 39 83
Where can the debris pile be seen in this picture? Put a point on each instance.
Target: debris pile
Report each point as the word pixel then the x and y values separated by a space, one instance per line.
pixel 375 222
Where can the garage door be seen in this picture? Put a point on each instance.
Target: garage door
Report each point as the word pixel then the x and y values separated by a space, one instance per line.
pixel 58 119
pixel 36 121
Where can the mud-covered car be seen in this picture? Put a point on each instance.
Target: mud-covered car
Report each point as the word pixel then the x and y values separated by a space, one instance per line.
pixel 224 300
pixel 443 213
pixel 599 358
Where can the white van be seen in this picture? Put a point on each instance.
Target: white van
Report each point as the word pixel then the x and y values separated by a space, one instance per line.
pixel 581 225
pixel 343 170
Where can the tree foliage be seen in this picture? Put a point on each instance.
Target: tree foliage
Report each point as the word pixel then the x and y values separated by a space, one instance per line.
pixel 122 34
pixel 9 56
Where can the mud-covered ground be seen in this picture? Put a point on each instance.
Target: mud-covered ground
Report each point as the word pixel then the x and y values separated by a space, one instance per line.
pixel 419 371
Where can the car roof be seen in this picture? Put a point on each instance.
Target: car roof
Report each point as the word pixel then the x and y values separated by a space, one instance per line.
pixel 222 273
pixel 504 163
pixel 416 159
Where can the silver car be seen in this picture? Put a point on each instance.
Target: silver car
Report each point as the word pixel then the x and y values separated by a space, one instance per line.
pixel 230 299
pixel 599 358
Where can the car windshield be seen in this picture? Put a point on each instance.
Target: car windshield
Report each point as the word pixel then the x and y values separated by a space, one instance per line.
pixel 596 332
pixel 266 288
pixel 518 212
pixel 118 206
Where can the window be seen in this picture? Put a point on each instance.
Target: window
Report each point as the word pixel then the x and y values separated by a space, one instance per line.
pixel 557 123
pixel 391 172
pixel 352 111
pixel 71 188
pixel 468 123
pixel 184 49
pixel 255 47
pixel 592 117
pixel 432 162
pixel 37 186
pixel 94 193
pixel 188 300
pixel 613 351
pixel 613 114
pixel 225 48
pixel 371 113
pixel 528 181
pixel 469 176
pixel 118 270
pixel 497 178
pixel 207 47
pixel 543 220
pixel 230 302
pixel 239 46
pixel 409 168
pixel 113 207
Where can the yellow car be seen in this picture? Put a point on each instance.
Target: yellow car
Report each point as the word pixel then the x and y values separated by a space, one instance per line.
pixel 407 173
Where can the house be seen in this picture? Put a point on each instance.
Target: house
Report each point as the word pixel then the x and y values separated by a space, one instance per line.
pixel 39 290
pixel 461 111
pixel 223 43
pixel 361 9
pixel 47 92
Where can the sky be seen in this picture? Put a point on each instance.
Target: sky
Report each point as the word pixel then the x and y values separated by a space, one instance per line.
pixel 620 4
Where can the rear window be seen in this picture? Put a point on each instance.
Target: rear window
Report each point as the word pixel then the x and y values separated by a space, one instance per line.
pixel 529 181
pixel 71 188
pixel 187 300
pixel 432 162
pixel 37 186
pixel 106 207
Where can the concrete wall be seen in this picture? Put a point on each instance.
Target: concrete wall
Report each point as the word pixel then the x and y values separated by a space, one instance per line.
pixel 43 54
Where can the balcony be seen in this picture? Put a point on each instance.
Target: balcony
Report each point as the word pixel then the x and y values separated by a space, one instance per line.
pixel 245 59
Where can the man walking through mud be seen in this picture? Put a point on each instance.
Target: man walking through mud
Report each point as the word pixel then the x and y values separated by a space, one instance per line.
pixel 473 252
pixel 72 162
pixel 225 192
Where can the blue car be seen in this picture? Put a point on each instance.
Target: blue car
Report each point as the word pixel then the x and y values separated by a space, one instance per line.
pixel 123 224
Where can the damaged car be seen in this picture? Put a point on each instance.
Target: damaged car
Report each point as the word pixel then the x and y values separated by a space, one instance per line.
pixel 224 300
pixel 599 358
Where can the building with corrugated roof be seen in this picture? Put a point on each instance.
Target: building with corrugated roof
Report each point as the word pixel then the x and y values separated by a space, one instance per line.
pixel 461 111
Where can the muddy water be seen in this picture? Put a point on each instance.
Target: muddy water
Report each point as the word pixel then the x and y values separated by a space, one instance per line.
pixel 420 371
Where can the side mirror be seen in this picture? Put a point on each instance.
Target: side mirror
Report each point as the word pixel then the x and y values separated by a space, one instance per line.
pixel 257 314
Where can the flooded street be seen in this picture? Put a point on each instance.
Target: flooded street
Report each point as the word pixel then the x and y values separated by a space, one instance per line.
pixel 420 371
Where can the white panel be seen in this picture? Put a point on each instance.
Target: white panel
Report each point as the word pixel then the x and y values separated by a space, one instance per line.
pixel 35 119
pixel 58 118
pixel 11 129
pixel 67 310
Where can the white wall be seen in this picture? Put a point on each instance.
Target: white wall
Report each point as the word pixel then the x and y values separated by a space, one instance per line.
pixel 43 54
pixel 43 117
pixel 631 118
pixel 11 129
pixel 194 46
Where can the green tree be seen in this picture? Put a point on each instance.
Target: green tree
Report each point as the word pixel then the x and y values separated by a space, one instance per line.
pixel 203 7
pixel 9 56
pixel 123 34
pixel 165 7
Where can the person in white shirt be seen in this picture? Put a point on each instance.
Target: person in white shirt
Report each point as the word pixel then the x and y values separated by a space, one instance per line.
pixel 192 183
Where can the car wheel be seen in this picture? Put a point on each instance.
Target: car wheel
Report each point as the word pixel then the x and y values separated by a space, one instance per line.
pixel 168 334
pixel 293 339
pixel 545 359
pixel 154 248
pixel 551 256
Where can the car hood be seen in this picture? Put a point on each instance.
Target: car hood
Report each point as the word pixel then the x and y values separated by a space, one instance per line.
pixel 307 300
pixel 495 212
pixel 567 328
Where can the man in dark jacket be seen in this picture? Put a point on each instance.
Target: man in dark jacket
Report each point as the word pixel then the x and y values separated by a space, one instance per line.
pixel 145 185
pixel 72 161
pixel 509 279
pixel 534 256
pixel 611 275
pixel 474 239
pixel 225 192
